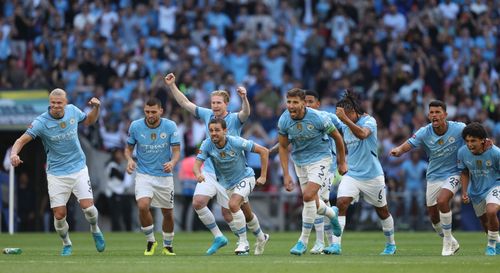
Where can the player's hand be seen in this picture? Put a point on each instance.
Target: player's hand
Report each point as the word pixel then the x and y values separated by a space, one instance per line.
pixel 200 178
pixel 168 167
pixel 342 168
pixel 131 166
pixel 242 91
pixel 288 182
pixel 395 152
pixel 15 160
pixel 341 114
pixel 465 198
pixel 170 79
pixel 95 102
pixel 261 181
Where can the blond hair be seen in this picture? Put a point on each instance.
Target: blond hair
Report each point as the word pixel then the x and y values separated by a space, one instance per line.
pixel 222 93
pixel 57 92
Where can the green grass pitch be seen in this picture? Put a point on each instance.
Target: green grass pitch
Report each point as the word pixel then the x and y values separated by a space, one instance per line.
pixel 417 252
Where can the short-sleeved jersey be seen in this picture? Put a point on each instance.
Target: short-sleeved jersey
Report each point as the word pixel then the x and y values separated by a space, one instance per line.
pixel 233 125
pixel 441 150
pixel 60 140
pixel 153 145
pixel 484 171
pixel 362 155
pixel 229 161
pixel 308 136
pixel 338 124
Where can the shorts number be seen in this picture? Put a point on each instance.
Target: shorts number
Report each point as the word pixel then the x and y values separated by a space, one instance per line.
pixel 495 193
pixel 322 171
pixel 90 186
pixel 380 196
pixel 454 182
pixel 171 197
pixel 241 185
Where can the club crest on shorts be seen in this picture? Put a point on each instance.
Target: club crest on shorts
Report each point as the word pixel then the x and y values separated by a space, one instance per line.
pixel 153 136
pixel 62 124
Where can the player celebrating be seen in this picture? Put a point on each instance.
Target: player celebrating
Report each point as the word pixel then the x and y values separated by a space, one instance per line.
pixel 365 172
pixel 158 151
pixel 228 158
pixel 480 180
pixel 306 129
pixel 322 227
pixel 441 140
pixel 210 188
pixel 66 169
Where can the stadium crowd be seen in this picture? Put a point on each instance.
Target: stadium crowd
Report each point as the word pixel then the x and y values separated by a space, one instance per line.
pixel 396 55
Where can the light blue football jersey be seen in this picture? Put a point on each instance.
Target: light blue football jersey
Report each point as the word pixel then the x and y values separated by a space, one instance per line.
pixel 362 155
pixel 60 140
pixel 233 125
pixel 484 171
pixel 229 161
pixel 153 145
pixel 441 150
pixel 338 124
pixel 308 136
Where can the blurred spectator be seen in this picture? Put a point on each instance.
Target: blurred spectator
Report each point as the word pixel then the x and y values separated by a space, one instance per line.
pixel 120 204
pixel 413 173
pixel 25 203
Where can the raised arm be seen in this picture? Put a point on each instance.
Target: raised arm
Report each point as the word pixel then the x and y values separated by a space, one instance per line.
pixel 181 99
pixel 358 131
pixel 17 147
pixel 244 113
pixel 283 153
pixel 264 160
pixel 339 145
pixel 401 149
pixel 94 114
pixel 131 165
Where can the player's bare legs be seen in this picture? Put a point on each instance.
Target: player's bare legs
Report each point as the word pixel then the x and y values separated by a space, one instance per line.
pixel 450 244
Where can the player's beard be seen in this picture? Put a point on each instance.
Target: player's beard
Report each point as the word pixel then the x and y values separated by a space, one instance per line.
pixel 57 113
pixel 152 121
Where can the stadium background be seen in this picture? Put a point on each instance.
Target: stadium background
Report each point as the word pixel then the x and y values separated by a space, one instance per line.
pixel 397 55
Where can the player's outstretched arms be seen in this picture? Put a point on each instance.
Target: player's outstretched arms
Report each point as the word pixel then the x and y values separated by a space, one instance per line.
pixel 15 160
pixel 181 99
pixel 244 113
pixel 264 160
pixel 401 149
